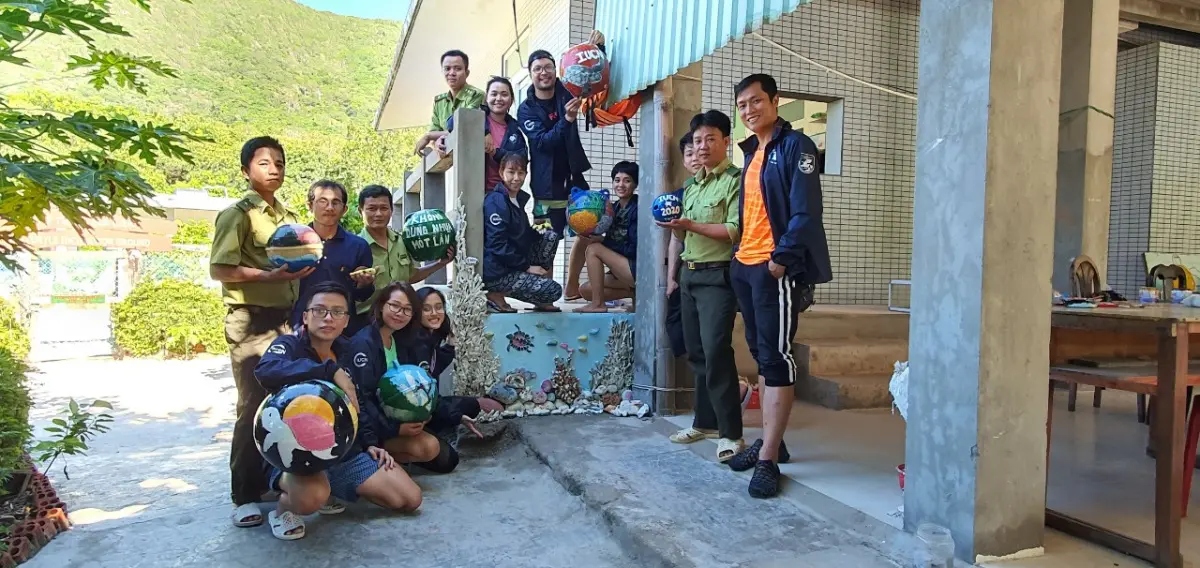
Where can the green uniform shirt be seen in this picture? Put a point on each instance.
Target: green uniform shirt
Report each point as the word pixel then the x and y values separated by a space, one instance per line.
pixel 713 198
pixel 389 354
pixel 444 106
pixel 240 239
pixel 392 264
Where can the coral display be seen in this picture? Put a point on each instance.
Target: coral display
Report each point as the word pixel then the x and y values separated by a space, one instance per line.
pixel 476 366
pixel 615 371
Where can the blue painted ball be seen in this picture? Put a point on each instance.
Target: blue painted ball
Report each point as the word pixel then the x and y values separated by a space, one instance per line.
pixel 297 246
pixel 666 208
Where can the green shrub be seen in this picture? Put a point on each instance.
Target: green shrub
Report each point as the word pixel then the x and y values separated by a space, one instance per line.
pixel 14 412
pixel 181 318
pixel 14 336
pixel 193 232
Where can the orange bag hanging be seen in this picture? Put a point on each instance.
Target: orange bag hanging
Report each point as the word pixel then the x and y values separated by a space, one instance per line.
pixel 618 113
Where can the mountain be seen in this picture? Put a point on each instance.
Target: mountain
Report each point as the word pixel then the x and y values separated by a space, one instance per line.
pixel 245 68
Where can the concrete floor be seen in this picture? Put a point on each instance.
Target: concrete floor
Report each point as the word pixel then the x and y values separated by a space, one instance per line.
pixel 1096 455
pixel 154 491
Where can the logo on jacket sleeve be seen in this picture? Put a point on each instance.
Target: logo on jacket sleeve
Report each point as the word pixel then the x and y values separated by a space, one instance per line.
pixel 360 360
pixel 277 349
pixel 494 219
pixel 808 163
pixel 531 124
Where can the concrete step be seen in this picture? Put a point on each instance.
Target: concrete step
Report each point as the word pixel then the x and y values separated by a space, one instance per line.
pixel 845 392
pixel 825 322
pixel 856 356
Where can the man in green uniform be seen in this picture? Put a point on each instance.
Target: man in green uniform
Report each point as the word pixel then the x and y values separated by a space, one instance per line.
pixel 708 228
pixel 456 69
pixel 259 300
pixel 389 256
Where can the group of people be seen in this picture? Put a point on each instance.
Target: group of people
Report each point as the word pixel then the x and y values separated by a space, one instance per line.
pixel 542 144
pixel 347 320
pixel 749 239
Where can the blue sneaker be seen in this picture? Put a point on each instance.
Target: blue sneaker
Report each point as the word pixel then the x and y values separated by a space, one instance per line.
pixel 748 457
pixel 765 482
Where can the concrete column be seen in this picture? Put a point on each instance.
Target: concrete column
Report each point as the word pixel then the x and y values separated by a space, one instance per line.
pixel 665 115
pixel 1085 135
pixel 982 253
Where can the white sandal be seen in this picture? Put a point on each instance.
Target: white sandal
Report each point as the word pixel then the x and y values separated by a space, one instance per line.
pixel 689 435
pixel 727 448
pixel 242 515
pixel 284 523
pixel 332 507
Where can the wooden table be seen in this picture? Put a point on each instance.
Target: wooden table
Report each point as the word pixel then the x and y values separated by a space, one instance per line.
pixel 1172 324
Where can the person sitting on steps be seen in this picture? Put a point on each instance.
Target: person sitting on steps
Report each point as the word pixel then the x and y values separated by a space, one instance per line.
pixel 618 249
pixel 517 259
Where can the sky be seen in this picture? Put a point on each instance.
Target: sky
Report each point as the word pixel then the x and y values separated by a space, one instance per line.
pixel 376 9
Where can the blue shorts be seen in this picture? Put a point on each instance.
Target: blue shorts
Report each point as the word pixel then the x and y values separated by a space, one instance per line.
pixel 344 477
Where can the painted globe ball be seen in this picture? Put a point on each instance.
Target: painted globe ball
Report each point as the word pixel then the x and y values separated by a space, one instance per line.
pixel 586 212
pixel 666 207
pixel 306 427
pixel 297 246
pixel 407 393
pixel 584 71
pixel 428 235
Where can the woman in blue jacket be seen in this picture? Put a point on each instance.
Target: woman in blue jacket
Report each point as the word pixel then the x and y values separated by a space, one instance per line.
pixel 436 343
pixel 618 250
pixel 502 134
pixel 517 259
pixel 391 340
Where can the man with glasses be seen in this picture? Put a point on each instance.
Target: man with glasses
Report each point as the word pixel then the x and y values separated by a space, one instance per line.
pixel 346 259
pixel 557 161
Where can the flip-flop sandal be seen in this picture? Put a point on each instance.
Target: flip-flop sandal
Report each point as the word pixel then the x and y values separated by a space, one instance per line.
pixel 689 435
pixel 247 515
pixel 286 526
pixel 727 448
pixel 572 298
pixel 546 310
pixel 495 308
pixel 333 507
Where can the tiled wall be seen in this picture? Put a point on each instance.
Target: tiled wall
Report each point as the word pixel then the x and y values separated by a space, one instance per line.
pixel 1133 167
pixel 868 208
pixel 1156 162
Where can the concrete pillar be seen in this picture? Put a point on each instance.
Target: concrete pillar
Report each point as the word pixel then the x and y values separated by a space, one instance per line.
pixel 465 191
pixel 665 115
pixel 1085 135
pixel 982 253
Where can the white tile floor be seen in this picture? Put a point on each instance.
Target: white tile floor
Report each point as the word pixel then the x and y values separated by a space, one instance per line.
pixel 1099 472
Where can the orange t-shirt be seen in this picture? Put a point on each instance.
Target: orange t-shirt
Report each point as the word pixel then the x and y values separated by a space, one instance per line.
pixel 757 240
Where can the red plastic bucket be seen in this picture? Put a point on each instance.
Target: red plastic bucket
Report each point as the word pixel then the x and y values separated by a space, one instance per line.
pixel 900 473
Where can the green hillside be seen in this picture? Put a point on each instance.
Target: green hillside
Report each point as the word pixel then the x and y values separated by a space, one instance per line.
pixel 245 68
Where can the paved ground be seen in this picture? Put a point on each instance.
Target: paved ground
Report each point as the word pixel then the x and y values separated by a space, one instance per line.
pixel 154 491
pixel 555 492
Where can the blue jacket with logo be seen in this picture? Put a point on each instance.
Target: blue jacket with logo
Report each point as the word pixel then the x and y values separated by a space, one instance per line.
pixel 367 365
pixel 291 359
pixel 556 157
pixel 507 235
pixel 514 140
pixel 627 247
pixel 791 187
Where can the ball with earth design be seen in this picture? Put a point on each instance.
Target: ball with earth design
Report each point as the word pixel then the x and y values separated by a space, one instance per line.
pixel 298 246
pixel 407 394
pixel 306 427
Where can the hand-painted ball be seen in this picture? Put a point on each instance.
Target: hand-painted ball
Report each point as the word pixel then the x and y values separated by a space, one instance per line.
pixel 666 208
pixel 306 427
pixel 586 212
pixel 407 393
pixel 428 235
pixel 584 71
pixel 297 246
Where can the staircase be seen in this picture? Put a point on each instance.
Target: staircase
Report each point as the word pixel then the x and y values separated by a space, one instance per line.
pixel 849 351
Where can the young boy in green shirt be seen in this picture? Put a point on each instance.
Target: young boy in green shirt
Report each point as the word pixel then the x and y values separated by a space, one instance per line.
pixel 456 69
pixel 258 300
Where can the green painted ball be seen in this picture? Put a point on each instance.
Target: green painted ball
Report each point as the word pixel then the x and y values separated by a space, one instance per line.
pixel 428 235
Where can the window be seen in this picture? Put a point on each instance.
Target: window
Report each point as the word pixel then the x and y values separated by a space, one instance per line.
pixel 512 66
pixel 819 118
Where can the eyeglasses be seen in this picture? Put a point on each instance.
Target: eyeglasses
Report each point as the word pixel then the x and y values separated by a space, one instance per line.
pixel 325 203
pixel 399 309
pixel 434 309
pixel 337 313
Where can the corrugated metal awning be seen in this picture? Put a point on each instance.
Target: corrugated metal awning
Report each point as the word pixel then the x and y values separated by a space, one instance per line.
pixel 649 40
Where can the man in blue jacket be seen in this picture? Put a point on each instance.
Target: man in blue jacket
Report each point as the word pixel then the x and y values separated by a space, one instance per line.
pixel 557 160
pixel 318 352
pixel 782 255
